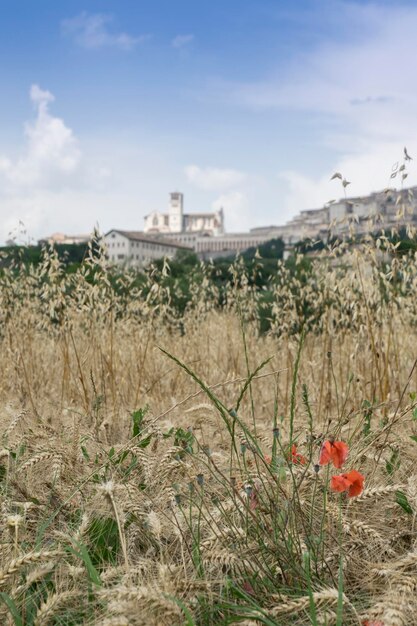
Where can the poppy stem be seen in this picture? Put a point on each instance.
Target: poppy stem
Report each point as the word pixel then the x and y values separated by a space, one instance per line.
pixel 340 597
pixel 294 385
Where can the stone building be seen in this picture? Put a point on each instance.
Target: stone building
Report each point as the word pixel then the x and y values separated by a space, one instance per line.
pixel 135 249
pixel 206 246
pixel 176 221
pixel 228 244
pixel 61 238
pixel 203 233
pixel 390 208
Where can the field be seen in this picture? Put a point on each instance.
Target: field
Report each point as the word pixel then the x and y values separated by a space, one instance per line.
pixel 162 468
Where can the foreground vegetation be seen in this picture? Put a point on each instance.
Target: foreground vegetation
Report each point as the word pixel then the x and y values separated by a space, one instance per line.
pixel 163 465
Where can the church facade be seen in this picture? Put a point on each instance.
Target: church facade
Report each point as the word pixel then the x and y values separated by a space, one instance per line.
pixel 175 221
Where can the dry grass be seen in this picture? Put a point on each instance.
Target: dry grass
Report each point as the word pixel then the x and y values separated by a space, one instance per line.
pixel 190 512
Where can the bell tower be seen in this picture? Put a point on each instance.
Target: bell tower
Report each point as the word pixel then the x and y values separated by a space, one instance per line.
pixel 176 212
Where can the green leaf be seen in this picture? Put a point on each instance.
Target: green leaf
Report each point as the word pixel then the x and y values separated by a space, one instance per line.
pixel 367 415
pixel 313 610
pixel 394 462
pixel 132 465
pixel 402 500
pixel 145 442
pixel 137 419
pixel 185 439
pixel 12 608
pixel 93 574
pixel 414 413
pixel 413 437
pixel 103 541
pixel 123 456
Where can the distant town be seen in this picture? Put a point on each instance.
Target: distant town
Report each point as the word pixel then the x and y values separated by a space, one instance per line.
pixel 165 233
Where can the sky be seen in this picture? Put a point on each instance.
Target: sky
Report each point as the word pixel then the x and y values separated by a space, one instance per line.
pixel 106 107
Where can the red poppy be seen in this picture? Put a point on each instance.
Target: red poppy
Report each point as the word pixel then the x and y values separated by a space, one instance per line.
pixel 296 457
pixel 368 622
pixel 334 451
pixel 339 483
pixel 352 482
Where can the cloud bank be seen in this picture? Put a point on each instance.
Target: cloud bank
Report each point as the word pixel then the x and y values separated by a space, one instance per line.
pixel 357 86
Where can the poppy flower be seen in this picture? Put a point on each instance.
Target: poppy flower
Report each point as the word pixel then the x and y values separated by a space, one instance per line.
pixel 368 622
pixel 352 482
pixel 334 451
pixel 340 483
pixel 296 457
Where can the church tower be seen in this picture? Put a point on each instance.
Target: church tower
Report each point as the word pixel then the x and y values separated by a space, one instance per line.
pixel 176 212
pixel 219 222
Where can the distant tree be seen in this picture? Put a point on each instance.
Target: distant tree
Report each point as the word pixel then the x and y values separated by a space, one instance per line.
pixel 272 249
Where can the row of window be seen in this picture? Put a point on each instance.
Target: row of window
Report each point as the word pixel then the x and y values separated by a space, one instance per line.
pixel 137 257
pixel 239 244
pixel 139 244
pixel 210 244
pixel 120 257
pixel 148 246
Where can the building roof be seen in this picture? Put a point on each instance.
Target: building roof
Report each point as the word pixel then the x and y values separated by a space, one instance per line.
pixel 137 235
pixel 272 227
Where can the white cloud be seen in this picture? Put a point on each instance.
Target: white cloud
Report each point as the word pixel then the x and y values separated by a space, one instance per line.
pixel 372 66
pixel 213 178
pixel 236 207
pixel 51 154
pixel 50 163
pixel 182 40
pixel 92 31
pixel 40 97
pixel 57 181
pixel 358 89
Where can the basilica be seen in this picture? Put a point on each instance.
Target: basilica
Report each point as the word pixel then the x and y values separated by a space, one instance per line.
pixel 175 221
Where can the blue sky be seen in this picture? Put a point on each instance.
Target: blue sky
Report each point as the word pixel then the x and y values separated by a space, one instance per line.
pixel 108 106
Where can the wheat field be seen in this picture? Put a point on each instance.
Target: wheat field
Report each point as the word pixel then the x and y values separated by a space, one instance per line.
pixel 159 468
